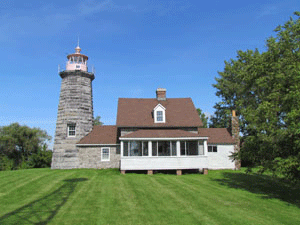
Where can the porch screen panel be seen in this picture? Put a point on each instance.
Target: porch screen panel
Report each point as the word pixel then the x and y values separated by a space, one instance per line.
pixel 145 148
pixel 174 148
pixel 192 147
pixel 135 148
pixel 163 148
pixel 201 148
pixel 125 148
pixel 154 148
pixel 182 148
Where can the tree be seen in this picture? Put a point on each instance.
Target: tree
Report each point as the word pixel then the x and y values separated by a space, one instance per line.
pixel 18 144
pixel 203 117
pixel 221 117
pixel 264 88
pixel 97 121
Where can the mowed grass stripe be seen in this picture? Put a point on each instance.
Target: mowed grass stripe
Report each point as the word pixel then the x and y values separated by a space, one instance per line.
pixel 187 211
pixel 153 201
pixel 188 201
pixel 242 204
pixel 30 191
pixel 208 199
pixel 78 184
pixel 106 197
pixel 17 177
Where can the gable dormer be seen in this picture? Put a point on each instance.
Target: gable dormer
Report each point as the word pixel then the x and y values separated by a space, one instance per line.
pixel 159 113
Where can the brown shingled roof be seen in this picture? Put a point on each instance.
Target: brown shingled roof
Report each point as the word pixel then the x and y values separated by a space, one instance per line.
pixel 134 112
pixel 160 133
pixel 101 135
pixel 216 135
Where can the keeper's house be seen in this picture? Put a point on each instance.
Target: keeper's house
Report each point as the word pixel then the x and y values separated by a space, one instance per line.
pixel 157 134
pixel 150 134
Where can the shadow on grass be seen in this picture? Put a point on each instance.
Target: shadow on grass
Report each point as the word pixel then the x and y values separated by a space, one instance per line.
pixel 266 186
pixel 42 211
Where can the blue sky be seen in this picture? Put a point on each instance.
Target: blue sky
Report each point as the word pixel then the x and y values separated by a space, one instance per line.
pixel 135 46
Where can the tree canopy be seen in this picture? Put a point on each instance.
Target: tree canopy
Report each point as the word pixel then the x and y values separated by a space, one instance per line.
pixel 203 117
pixel 264 88
pixel 23 147
pixel 97 121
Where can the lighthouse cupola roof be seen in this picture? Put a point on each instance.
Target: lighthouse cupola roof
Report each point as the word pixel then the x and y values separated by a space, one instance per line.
pixel 77 61
pixel 77 49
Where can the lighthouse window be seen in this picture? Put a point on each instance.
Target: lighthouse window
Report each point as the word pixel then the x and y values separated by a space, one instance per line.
pixel 80 60
pixel 71 130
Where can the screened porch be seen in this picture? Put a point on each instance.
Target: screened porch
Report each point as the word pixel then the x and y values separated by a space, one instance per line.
pixel 163 154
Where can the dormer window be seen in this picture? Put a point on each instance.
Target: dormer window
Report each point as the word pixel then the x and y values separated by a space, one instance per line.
pixel 159 114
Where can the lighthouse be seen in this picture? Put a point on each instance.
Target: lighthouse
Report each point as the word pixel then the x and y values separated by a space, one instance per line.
pixel 75 111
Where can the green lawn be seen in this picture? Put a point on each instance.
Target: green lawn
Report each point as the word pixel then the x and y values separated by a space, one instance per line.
pixel 44 196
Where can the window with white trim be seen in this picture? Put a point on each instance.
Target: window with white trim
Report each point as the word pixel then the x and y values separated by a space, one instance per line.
pixel 212 148
pixel 159 113
pixel 105 154
pixel 71 130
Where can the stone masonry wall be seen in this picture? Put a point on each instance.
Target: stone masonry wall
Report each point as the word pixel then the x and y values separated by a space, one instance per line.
pixel 75 107
pixel 90 157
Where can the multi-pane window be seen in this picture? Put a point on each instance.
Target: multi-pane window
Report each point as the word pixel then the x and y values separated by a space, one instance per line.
pixel 164 148
pixel 104 154
pixel 188 147
pixel 71 130
pixel 159 116
pixel 212 148
pixel 135 148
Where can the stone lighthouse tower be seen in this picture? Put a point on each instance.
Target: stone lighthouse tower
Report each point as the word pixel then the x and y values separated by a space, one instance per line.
pixel 75 111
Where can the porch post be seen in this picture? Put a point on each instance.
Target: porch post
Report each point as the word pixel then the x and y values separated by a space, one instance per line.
pixel 149 148
pixel 178 148
pixel 205 147
pixel 122 148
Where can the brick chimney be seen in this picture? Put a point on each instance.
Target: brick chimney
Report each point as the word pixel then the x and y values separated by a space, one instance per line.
pixel 235 131
pixel 161 94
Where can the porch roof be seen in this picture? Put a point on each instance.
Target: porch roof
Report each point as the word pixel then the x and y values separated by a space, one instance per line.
pixel 100 135
pixel 217 135
pixel 162 133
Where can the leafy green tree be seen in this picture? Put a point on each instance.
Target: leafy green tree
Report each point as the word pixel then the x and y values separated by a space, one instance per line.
pixel 42 159
pixel 97 121
pixel 19 143
pixel 264 88
pixel 203 117
pixel 221 117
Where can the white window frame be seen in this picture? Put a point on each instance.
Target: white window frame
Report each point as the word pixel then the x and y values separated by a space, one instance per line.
pixel 69 130
pixel 171 149
pixel 159 107
pixel 105 160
